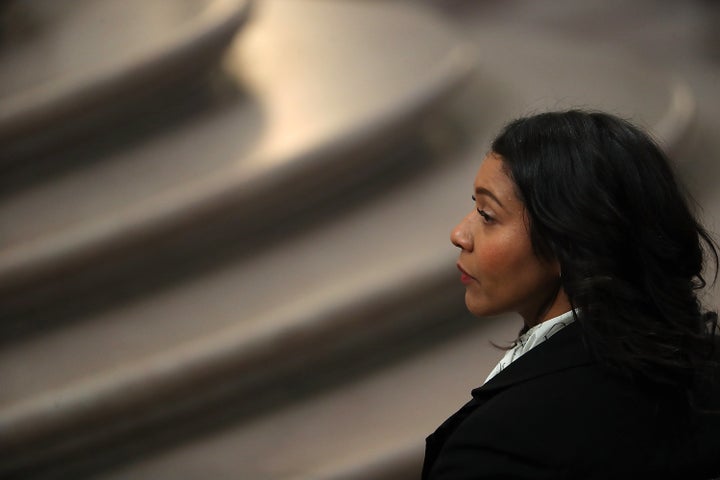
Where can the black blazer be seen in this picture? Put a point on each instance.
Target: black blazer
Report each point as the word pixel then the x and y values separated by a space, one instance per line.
pixel 556 413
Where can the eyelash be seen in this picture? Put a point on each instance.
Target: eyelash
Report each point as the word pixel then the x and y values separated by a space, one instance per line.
pixel 486 217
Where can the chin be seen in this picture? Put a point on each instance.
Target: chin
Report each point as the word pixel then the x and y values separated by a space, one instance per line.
pixel 480 309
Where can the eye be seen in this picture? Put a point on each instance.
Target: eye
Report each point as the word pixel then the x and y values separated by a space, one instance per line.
pixel 486 216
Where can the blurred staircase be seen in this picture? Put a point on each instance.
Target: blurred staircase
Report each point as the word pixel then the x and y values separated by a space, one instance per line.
pixel 226 256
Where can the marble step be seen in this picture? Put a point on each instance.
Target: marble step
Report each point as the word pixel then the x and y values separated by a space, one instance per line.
pixel 371 428
pixel 327 91
pixel 70 70
pixel 329 294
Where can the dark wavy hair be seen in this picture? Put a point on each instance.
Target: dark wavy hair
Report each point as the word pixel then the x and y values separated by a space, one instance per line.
pixel 602 200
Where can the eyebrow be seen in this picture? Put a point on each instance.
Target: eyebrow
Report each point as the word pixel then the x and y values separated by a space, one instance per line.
pixel 485 191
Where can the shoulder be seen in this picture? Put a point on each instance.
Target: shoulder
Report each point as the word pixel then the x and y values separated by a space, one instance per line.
pixel 585 419
pixel 565 414
pixel 557 413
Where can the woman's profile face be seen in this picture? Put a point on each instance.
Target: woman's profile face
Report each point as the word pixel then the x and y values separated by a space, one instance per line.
pixel 499 269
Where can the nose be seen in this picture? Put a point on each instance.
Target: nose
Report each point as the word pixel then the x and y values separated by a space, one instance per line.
pixel 460 235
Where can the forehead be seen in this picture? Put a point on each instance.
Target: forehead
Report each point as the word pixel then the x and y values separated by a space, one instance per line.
pixel 493 177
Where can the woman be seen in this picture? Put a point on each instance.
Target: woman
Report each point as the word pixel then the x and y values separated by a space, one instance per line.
pixel 580 227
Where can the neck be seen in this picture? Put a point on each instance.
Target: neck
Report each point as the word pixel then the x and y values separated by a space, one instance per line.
pixel 557 305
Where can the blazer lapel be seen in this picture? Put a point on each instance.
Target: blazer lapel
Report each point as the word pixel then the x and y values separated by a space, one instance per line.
pixel 563 350
pixel 566 349
pixel 435 441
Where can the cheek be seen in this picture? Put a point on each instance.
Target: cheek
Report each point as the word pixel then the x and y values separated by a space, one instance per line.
pixel 504 254
pixel 493 260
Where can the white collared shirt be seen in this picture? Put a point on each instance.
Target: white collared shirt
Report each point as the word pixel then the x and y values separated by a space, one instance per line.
pixel 532 338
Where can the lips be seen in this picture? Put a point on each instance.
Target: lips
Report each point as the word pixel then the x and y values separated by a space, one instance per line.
pixel 465 277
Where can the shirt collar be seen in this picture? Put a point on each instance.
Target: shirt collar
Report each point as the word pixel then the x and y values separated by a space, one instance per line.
pixel 566 350
pixel 532 338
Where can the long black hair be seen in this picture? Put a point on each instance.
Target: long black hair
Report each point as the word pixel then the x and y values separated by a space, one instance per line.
pixel 604 202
